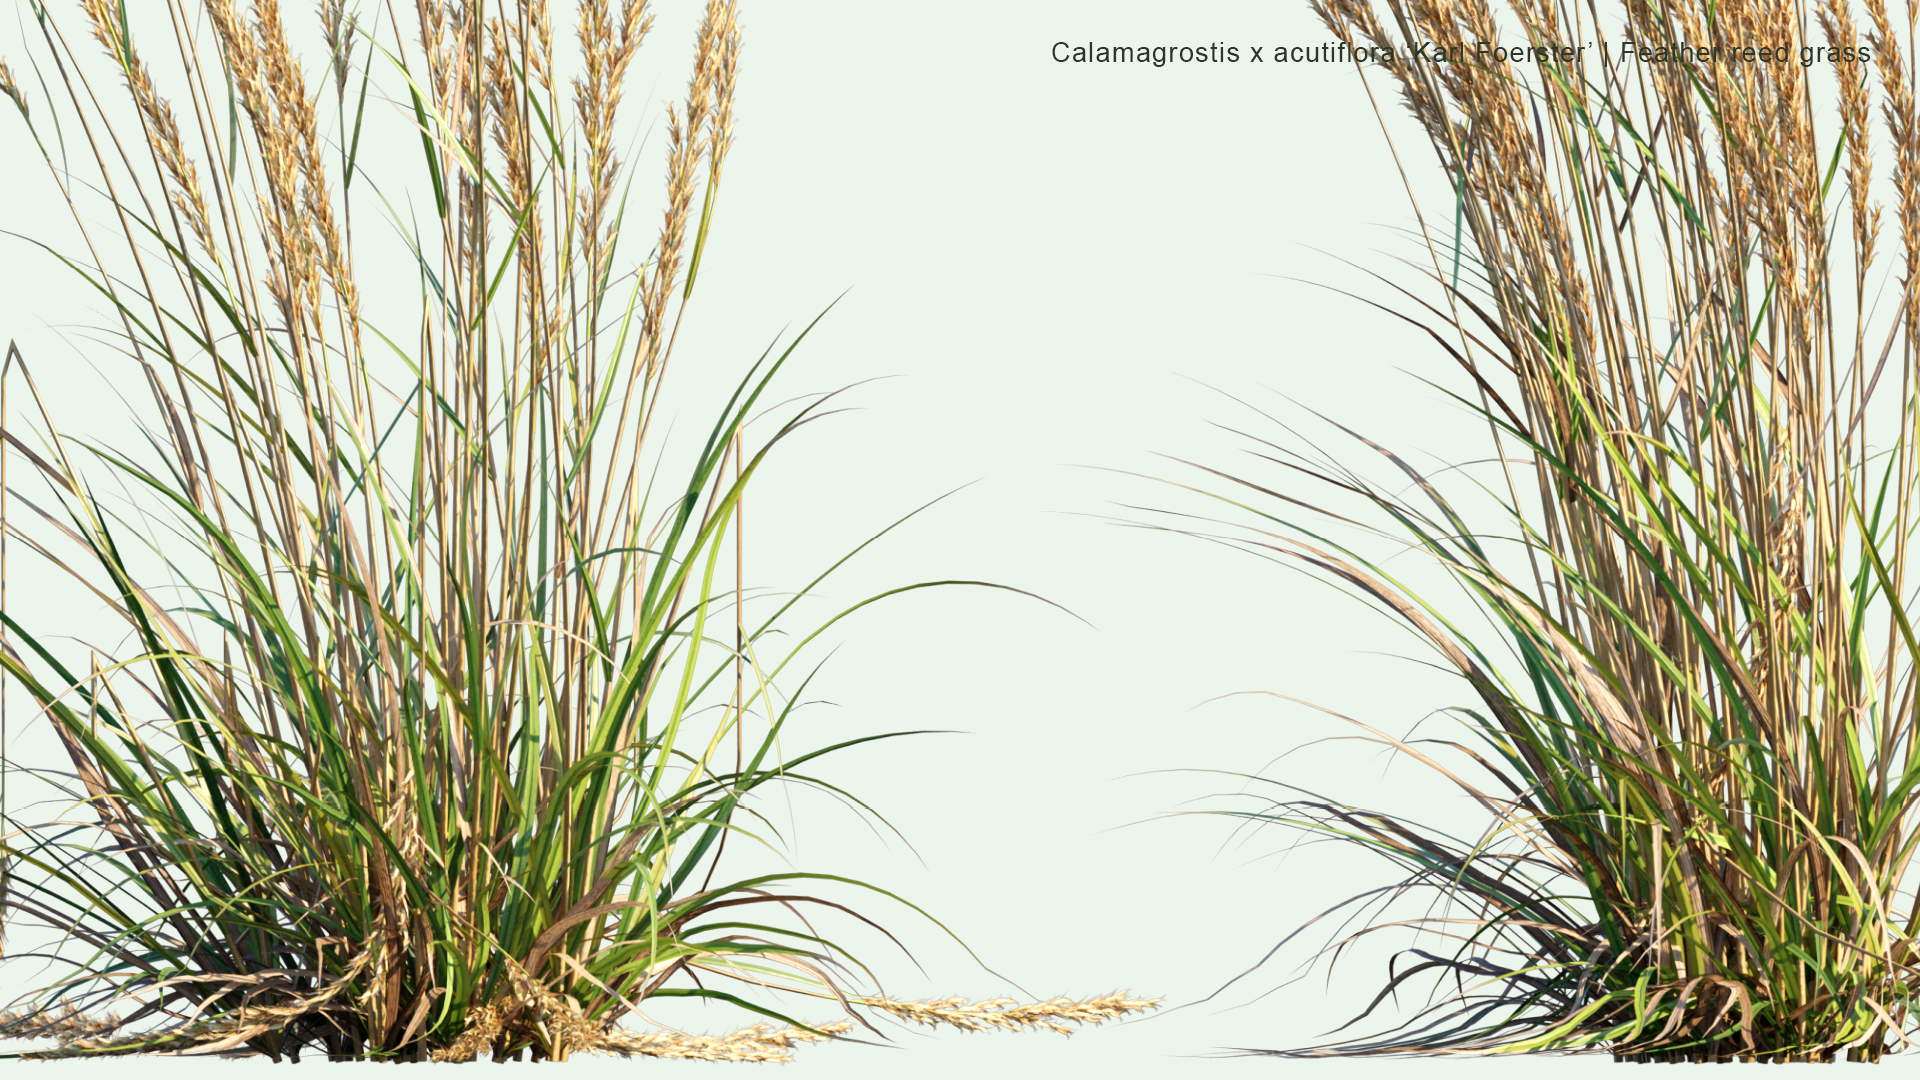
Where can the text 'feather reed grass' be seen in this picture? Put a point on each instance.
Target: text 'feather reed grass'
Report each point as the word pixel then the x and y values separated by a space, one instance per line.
pixel 1689 316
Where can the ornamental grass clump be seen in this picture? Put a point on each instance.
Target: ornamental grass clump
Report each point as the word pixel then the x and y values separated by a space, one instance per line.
pixel 437 702
pixel 1686 295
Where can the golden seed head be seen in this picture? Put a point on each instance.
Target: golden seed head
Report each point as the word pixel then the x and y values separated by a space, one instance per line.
pixel 1005 1015
pixel 11 88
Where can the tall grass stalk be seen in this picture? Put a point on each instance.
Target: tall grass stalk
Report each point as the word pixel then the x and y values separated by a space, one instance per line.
pixel 1688 307
pixel 442 703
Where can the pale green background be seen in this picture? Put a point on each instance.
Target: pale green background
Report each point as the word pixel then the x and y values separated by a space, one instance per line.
pixel 1046 255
